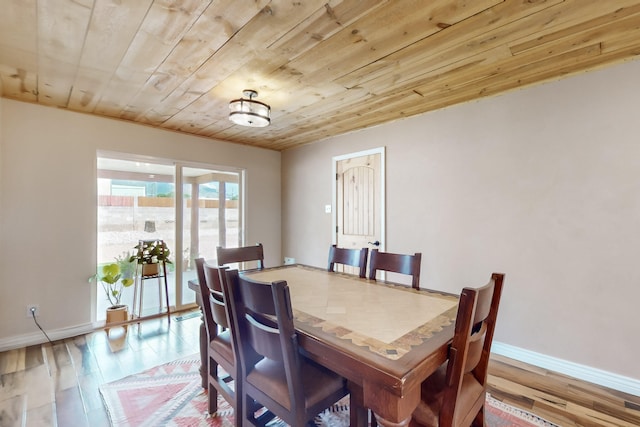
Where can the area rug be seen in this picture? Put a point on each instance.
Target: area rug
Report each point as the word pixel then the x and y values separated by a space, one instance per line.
pixel 171 395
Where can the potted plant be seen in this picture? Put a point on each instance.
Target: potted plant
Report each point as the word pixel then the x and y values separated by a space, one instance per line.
pixel 114 277
pixel 151 253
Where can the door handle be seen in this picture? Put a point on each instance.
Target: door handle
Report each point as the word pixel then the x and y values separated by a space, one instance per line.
pixel 376 243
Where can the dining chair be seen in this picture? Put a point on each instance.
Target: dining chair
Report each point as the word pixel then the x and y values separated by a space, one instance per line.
pixel 396 263
pixel 455 394
pixel 286 383
pixel 353 257
pixel 220 349
pixel 242 254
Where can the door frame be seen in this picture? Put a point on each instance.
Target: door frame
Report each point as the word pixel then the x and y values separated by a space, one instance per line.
pixel 334 192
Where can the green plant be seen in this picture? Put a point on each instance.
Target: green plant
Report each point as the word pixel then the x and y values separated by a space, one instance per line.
pixel 114 277
pixel 151 252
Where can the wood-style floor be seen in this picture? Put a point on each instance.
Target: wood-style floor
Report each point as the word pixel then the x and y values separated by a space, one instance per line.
pixel 560 399
pixel 57 385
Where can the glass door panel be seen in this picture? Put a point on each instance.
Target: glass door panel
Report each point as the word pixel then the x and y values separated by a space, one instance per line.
pixel 136 201
pixel 211 215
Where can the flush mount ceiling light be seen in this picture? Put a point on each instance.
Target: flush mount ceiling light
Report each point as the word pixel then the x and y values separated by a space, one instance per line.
pixel 247 112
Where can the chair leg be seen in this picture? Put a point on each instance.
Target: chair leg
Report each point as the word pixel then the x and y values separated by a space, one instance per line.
pixel 479 419
pixel 248 418
pixel 213 398
pixel 212 390
pixel 238 408
pixel 374 422
pixel 358 414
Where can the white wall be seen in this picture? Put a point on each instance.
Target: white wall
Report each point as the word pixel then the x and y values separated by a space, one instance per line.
pixel 1 144
pixel 542 184
pixel 48 194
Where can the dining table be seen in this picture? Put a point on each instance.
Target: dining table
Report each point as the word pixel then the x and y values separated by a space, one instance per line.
pixel 384 338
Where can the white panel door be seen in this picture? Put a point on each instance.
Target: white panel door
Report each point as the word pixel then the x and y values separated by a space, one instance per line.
pixel 359 201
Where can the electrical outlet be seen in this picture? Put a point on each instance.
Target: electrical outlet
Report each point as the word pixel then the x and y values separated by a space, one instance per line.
pixel 33 309
pixel 289 261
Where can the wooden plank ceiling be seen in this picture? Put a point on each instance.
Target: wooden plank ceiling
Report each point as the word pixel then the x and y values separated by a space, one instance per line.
pixel 325 67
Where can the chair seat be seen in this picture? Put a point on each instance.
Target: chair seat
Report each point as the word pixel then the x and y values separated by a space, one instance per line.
pixel 222 346
pixel 318 382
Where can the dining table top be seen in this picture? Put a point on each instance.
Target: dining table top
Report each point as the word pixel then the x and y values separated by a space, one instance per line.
pixel 386 319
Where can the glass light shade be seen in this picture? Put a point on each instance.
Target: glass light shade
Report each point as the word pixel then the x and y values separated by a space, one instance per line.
pixel 247 112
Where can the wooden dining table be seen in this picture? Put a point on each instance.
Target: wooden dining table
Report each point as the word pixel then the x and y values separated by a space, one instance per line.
pixel 384 338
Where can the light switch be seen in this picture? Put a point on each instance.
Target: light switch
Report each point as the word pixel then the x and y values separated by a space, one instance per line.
pixel 327 208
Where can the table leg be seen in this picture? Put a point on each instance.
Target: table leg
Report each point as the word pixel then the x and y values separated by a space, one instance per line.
pixel 384 423
pixel 388 406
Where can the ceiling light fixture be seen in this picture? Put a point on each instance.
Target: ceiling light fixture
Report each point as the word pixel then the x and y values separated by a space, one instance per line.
pixel 247 112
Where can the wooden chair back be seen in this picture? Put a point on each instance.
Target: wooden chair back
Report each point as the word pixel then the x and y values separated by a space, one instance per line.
pixel 205 293
pixel 470 350
pixel 396 263
pixel 218 306
pixel 242 254
pixel 459 399
pixel 220 351
pixel 353 257
pixel 273 371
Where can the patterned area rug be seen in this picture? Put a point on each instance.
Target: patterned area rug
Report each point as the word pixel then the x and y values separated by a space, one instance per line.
pixel 171 395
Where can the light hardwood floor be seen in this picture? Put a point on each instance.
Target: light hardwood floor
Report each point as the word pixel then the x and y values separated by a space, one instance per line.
pixel 57 385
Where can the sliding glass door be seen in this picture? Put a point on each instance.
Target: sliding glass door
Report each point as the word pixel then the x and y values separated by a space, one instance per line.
pixel 137 201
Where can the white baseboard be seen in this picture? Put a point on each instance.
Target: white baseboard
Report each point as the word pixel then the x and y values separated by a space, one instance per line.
pixel 38 337
pixel 575 370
